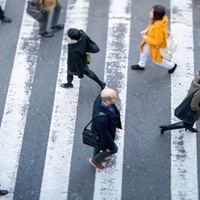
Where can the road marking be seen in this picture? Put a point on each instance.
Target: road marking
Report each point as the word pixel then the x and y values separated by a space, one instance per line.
pixel 17 102
pixel 60 144
pixel 108 183
pixel 184 183
pixel 3 3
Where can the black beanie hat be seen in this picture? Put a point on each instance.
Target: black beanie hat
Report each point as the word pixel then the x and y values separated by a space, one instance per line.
pixel 74 34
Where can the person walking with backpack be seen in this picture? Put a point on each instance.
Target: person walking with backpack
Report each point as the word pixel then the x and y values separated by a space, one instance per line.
pixel 154 38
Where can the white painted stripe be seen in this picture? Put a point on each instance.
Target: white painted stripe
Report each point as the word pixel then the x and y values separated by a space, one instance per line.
pixel 2 3
pixel 17 102
pixel 108 182
pixel 184 183
pixel 59 151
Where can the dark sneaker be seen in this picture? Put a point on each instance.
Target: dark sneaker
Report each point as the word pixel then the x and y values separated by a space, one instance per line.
pixel 66 85
pixel 3 192
pixel 46 34
pixel 170 71
pixel 6 20
pixel 58 27
pixel 96 165
pixel 137 67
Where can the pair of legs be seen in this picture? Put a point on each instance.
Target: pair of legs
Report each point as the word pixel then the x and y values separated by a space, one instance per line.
pixel 102 156
pixel 88 73
pixel 178 125
pixel 54 23
pixel 144 56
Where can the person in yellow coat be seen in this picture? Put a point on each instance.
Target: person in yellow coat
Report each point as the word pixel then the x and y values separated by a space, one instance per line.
pixel 155 37
pixel 50 5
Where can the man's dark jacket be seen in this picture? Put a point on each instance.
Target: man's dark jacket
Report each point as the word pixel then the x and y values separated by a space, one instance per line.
pixel 107 123
pixel 77 58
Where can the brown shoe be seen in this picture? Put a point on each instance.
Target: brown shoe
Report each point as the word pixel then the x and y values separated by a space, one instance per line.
pixel 96 165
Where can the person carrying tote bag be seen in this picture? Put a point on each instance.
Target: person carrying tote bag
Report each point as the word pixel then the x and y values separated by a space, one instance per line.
pixel 194 105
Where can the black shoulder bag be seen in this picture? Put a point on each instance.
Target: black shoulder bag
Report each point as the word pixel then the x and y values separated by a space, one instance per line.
pixel 184 111
pixel 92 47
pixel 92 138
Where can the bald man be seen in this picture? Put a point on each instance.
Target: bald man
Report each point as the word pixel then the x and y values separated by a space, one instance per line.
pixel 105 125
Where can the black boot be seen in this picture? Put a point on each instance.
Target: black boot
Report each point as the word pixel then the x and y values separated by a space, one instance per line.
pixel 163 129
pixel 177 125
pixel 191 129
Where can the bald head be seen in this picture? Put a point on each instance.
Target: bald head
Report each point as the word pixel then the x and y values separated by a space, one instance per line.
pixel 108 96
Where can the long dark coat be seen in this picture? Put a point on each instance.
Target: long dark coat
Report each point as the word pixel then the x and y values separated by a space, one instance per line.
pixel 106 124
pixel 77 58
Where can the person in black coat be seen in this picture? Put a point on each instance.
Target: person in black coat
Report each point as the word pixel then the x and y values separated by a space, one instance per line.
pixel 77 59
pixel 105 125
pixel 3 18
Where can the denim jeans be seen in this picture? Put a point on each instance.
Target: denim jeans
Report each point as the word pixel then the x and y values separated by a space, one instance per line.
pixel 99 156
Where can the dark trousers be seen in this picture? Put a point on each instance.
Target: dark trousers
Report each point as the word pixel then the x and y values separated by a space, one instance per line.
pixel 1 13
pixel 99 156
pixel 56 15
pixel 88 73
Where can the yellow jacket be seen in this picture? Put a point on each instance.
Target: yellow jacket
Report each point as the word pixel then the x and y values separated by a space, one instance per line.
pixel 157 34
pixel 49 4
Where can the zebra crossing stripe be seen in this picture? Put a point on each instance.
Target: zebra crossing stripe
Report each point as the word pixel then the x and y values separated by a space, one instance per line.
pixel 17 102
pixel 2 3
pixel 59 151
pixel 108 182
pixel 184 183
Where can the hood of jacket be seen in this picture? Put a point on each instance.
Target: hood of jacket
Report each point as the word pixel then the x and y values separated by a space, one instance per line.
pixel 195 82
pixel 161 23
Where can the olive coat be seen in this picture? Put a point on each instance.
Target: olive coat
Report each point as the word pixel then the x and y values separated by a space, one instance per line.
pixel 48 4
pixel 157 34
pixel 195 86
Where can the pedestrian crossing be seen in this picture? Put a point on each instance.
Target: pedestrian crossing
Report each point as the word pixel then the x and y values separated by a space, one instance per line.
pixel 65 170
pixel 184 185
pixel 59 144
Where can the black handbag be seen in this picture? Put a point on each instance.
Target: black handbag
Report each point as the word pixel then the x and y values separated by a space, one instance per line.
pixel 92 47
pixel 184 111
pixel 92 138
pixel 36 10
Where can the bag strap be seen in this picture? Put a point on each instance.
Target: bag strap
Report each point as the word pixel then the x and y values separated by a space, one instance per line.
pixel 194 92
pixel 96 116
